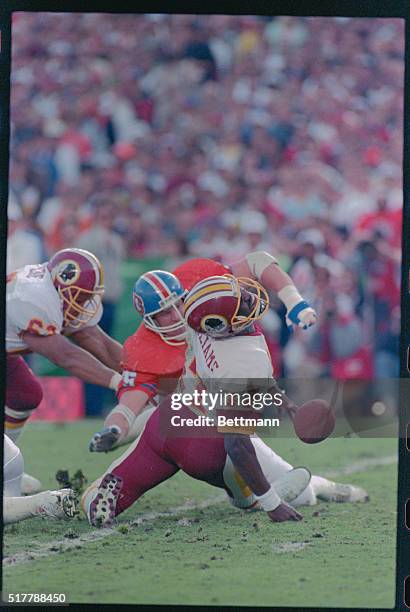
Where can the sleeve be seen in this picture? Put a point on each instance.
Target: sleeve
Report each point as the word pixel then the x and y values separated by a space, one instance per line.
pixel 35 318
pixel 132 377
pixel 138 381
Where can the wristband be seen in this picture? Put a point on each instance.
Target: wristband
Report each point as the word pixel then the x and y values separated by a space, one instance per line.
pixel 124 411
pixel 115 381
pixel 269 500
pixel 258 261
pixel 290 296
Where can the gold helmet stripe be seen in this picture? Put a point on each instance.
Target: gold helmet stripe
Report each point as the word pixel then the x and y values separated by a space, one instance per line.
pixel 206 290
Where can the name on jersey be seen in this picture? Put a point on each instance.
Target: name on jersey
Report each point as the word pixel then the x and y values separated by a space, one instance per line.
pixel 207 351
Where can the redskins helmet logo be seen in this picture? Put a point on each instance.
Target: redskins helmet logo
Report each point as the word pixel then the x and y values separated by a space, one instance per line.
pixel 214 325
pixel 139 304
pixel 68 272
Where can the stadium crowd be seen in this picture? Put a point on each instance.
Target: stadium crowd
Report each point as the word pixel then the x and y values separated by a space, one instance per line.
pixel 213 136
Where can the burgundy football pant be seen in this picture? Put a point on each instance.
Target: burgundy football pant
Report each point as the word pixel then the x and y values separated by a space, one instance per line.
pixel 23 392
pixel 158 455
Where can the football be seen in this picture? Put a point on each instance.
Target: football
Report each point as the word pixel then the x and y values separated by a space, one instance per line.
pixel 314 421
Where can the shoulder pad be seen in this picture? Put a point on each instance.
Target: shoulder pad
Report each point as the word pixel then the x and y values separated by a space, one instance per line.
pixel 195 270
pixel 145 351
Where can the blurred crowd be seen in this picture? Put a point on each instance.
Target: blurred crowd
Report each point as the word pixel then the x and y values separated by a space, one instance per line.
pixel 216 135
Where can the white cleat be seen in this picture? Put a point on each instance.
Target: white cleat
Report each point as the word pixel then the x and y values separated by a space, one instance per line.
pixel 30 485
pixel 57 504
pixel 292 484
pixel 103 501
pixel 344 493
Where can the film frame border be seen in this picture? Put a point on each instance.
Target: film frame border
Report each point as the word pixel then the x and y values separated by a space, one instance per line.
pixel 318 8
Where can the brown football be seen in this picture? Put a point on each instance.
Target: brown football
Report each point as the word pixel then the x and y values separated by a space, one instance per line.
pixel 314 421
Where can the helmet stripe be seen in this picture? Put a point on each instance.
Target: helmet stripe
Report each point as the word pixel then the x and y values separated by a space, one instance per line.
pixel 158 284
pixel 218 289
pixel 202 300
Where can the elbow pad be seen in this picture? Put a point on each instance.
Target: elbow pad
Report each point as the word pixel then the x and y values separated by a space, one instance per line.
pixel 258 261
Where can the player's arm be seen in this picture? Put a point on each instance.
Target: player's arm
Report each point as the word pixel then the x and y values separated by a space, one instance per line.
pixel 134 392
pixel 94 340
pixel 242 454
pixel 72 358
pixel 117 425
pixel 265 268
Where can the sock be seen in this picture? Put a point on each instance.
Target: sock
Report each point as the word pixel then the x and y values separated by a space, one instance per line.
pixel 323 488
pixel 15 421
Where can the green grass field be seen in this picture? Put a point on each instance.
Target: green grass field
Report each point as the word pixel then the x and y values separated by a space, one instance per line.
pixel 182 543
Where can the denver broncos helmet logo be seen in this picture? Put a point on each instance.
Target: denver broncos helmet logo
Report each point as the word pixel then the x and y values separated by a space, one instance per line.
pixel 139 304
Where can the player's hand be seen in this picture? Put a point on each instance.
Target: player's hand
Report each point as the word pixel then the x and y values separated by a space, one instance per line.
pixel 287 407
pixel 302 315
pixel 105 440
pixel 284 513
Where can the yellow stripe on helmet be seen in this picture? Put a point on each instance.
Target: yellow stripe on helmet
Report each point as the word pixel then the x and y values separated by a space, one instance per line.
pixel 201 292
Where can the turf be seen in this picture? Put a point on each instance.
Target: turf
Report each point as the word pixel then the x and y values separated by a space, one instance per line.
pixel 340 555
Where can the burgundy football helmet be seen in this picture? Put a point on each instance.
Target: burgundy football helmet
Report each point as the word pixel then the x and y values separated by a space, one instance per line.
pixel 220 306
pixel 79 279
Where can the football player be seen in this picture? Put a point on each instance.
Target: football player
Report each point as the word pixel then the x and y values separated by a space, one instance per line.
pixel 231 354
pixel 244 466
pixel 45 305
pixel 154 356
pixel 55 504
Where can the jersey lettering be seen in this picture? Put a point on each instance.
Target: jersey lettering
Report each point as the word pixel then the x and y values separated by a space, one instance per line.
pixel 128 378
pixel 37 271
pixel 37 326
pixel 211 362
pixel 207 351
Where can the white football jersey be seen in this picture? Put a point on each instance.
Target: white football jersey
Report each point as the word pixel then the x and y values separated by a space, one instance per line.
pixel 241 357
pixel 33 304
pixel 228 364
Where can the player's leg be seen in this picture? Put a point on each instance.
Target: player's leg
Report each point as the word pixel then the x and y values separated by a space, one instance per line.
pixel 275 466
pixel 206 459
pixel 327 490
pixel 143 466
pixel 54 504
pixel 13 467
pixel 23 395
pixel 200 457
pixel 59 504
pixel 291 484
